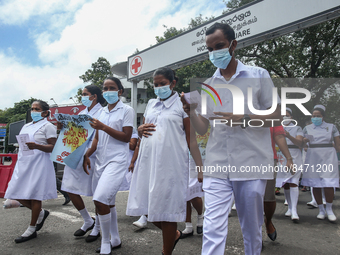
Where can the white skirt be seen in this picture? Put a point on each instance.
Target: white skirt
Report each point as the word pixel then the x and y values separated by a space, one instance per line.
pixel 286 177
pixel 106 182
pixel 33 178
pixel 194 187
pixel 76 181
pixel 321 168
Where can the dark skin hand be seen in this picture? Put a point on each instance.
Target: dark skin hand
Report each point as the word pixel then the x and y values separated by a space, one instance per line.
pixel 134 157
pixel 146 129
pixel 45 148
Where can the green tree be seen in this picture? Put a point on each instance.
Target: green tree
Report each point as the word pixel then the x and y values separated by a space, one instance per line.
pixel 313 52
pixel 184 74
pixel 13 114
pixel 100 70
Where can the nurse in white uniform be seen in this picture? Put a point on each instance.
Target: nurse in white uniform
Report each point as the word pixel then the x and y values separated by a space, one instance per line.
pixel 75 181
pixel 160 179
pixel 33 179
pixel 321 164
pixel 294 139
pixel 128 175
pixel 111 143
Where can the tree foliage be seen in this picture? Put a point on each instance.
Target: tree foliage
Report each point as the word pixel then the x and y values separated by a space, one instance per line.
pixel 13 114
pixel 100 70
pixel 184 74
pixel 313 52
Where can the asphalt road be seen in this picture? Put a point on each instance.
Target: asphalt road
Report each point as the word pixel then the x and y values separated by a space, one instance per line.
pixel 309 236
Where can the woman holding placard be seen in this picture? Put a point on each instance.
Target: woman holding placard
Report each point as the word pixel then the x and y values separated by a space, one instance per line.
pixel 321 164
pixel 33 179
pixel 111 144
pixel 75 181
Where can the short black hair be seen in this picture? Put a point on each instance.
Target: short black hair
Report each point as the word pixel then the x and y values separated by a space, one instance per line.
pixel 227 30
pixel 95 90
pixel 44 106
pixel 167 72
pixel 117 81
pixel 320 110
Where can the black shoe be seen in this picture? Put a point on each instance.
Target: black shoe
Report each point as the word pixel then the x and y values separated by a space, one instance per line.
pixel 273 235
pixel 91 238
pixel 67 200
pixel 81 232
pixel 41 224
pixel 199 229
pixel 180 237
pixel 112 248
pixel 22 239
pixel 184 235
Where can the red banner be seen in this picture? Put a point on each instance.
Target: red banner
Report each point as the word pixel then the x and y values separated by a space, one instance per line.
pixel 72 110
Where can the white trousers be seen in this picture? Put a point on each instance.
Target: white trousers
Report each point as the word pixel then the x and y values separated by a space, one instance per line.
pixel 218 201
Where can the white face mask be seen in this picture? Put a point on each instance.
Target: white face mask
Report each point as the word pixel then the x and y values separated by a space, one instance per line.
pixel 287 119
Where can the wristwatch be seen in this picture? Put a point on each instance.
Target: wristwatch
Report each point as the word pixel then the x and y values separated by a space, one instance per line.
pixel 245 120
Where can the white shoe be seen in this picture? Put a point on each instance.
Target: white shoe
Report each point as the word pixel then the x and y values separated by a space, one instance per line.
pixel 141 223
pixel 288 213
pixel 295 218
pixel 233 207
pixel 321 216
pixel 331 217
pixel 285 203
pixel 313 203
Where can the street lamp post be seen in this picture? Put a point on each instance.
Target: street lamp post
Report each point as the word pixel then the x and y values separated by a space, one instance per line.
pixel 73 100
pixel 53 101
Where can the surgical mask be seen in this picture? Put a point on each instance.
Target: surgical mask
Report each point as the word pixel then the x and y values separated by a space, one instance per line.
pixel 86 101
pixel 317 121
pixel 111 96
pixel 287 119
pixel 163 92
pixel 36 116
pixel 221 58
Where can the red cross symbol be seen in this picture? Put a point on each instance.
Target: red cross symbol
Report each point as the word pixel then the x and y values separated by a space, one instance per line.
pixel 136 65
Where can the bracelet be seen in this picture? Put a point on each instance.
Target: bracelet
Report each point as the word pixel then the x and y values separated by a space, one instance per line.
pixel 289 158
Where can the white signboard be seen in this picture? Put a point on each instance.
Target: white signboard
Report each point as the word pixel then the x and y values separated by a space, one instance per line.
pixel 255 22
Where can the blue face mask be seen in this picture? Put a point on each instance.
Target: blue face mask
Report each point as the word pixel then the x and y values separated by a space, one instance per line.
pixel 163 92
pixel 36 116
pixel 111 96
pixel 317 121
pixel 220 58
pixel 86 101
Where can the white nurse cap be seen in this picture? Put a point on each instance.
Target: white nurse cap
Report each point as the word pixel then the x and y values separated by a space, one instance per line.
pixel 289 110
pixel 320 106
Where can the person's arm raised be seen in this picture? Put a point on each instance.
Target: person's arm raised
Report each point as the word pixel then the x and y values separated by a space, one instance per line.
pixel 199 123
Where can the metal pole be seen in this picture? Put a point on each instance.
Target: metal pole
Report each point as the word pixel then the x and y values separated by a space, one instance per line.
pixel 134 100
